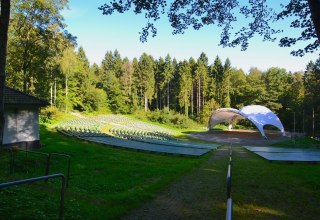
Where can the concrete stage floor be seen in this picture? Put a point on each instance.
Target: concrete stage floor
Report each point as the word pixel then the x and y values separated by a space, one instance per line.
pixel 242 137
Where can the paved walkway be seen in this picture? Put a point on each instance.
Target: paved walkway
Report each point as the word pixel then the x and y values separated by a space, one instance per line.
pixel 201 194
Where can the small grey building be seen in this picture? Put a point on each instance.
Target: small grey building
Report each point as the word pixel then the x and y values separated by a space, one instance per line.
pixel 21 113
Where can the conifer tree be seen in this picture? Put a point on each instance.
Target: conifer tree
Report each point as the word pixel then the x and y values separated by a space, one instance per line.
pixel 185 86
pixel 145 80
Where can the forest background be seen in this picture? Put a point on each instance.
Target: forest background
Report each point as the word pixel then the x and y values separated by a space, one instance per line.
pixel 44 60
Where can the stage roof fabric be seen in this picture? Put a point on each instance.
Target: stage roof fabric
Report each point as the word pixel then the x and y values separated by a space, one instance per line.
pixel 257 114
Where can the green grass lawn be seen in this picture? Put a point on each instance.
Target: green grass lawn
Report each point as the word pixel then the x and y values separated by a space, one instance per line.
pixel 105 182
pixel 301 142
pixel 277 190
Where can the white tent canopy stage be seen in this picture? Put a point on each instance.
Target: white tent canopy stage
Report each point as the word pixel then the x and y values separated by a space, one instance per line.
pixel 257 114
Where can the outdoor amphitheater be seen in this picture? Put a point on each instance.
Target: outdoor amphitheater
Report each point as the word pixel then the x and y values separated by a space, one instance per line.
pixel 129 133
pixel 124 132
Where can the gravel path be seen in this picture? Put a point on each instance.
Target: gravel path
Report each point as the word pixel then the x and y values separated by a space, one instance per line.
pixel 201 194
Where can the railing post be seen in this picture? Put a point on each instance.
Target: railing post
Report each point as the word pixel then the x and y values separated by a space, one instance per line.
pixel 68 169
pixel 62 192
pixel 12 164
pixel 229 175
pixel 68 172
pixel 48 165
pixel 229 209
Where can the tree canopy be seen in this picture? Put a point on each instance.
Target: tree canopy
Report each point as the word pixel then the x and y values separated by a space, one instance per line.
pixel 227 14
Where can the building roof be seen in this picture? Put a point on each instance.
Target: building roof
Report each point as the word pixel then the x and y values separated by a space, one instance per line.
pixel 15 97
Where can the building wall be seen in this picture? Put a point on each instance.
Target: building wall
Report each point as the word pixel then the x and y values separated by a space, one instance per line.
pixel 21 126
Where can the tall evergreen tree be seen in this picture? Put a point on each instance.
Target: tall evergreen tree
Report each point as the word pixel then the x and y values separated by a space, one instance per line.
pixel 167 75
pixel 216 71
pixel 126 81
pixel 111 69
pixel 225 84
pixel 193 66
pixel 185 86
pixel 158 82
pixel 145 80
pixel 201 77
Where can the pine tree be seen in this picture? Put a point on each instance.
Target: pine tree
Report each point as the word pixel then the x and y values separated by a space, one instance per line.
pixel 145 80
pixel 185 86
pixel 167 75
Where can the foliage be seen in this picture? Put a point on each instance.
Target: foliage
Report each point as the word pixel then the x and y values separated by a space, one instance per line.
pixel 35 39
pixel 302 21
pixel 257 18
pixel 167 116
pixel 48 114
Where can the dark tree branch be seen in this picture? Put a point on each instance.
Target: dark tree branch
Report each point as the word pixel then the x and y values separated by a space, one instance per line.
pixel 183 14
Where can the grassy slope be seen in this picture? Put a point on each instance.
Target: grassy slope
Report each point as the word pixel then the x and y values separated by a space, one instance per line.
pixel 105 182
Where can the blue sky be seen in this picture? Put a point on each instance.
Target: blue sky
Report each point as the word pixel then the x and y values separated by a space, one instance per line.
pixel 98 33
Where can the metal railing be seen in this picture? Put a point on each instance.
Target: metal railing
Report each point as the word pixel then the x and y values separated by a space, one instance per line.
pixel 48 160
pixel 12 162
pixel 68 167
pixel 229 175
pixel 62 191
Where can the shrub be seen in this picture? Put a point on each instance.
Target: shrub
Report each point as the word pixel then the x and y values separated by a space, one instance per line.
pixel 48 114
pixel 170 117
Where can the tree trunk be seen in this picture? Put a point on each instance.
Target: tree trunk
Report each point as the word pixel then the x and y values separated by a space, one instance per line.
pixel 157 101
pixel 51 93
pixel 168 95
pixel 199 100
pixel 24 78
pixel 186 107
pixel 145 103
pixel 314 6
pixel 55 91
pixel 191 99
pixel 66 94
pixel 4 25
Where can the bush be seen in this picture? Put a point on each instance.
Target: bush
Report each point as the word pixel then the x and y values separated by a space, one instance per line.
pixel 48 114
pixel 170 117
